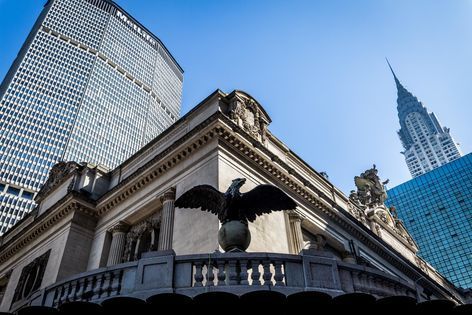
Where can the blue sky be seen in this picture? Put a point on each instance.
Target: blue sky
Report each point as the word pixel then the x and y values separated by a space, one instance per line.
pixel 317 67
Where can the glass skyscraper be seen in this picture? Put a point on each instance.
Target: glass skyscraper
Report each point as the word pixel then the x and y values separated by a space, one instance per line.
pixel 437 210
pixel 89 84
pixel 427 144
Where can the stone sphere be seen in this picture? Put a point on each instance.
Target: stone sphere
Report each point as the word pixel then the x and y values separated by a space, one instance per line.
pixel 234 235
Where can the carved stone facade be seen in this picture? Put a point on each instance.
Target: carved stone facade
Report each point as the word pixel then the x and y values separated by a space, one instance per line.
pixel 57 174
pixel 367 206
pixel 98 229
pixel 249 115
pixel 142 237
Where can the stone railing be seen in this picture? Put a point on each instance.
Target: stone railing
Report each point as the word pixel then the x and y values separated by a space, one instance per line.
pixel 239 273
pixel 90 286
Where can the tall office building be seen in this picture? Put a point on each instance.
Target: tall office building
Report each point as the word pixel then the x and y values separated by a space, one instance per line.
pixel 437 210
pixel 427 144
pixel 89 84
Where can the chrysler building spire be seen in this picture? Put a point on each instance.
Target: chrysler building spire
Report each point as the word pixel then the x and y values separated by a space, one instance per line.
pixel 427 144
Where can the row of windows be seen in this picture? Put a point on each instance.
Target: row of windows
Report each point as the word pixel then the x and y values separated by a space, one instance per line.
pixel 436 210
pixel 79 20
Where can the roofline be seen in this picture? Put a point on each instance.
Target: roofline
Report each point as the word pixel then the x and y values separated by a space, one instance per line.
pixel 117 6
pixel 250 96
pixel 169 129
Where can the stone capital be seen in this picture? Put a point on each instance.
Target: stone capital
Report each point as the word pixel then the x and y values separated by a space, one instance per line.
pixel 169 195
pixel 294 217
pixel 120 227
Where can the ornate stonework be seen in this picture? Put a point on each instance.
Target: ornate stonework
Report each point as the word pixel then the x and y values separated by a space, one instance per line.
pixel 421 264
pixel 247 114
pixel 370 189
pixel 147 226
pixel 57 174
pixel 168 195
pixel 120 227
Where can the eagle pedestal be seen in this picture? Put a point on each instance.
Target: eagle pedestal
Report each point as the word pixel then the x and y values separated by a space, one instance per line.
pixel 234 236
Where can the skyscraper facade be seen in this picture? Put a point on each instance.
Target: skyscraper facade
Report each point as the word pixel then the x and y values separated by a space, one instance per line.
pixel 436 209
pixel 427 144
pixel 89 84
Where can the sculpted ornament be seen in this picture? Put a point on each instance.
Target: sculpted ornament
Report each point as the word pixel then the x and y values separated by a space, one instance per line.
pixel 59 171
pixel 370 190
pixel 149 225
pixel 247 115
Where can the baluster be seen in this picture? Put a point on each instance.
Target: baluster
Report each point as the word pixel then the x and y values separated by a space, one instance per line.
pixel 256 275
pixel 88 289
pixel 55 301
pixel 64 292
pixel 233 272
pixel 73 290
pixel 210 276
pixel 198 274
pixel 60 293
pixel 221 272
pixel 278 276
pixel 116 282
pixel 243 275
pixel 80 289
pixel 97 287
pixel 106 284
pixel 267 276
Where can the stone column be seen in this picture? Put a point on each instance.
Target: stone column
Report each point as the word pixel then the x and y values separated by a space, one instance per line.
pixel 318 243
pixel 166 231
pixel 296 231
pixel 118 243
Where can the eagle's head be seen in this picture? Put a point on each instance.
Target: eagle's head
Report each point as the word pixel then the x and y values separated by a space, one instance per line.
pixel 236 185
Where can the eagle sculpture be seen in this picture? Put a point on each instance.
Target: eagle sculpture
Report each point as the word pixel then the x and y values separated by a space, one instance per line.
pixel 234 205
pixel 234 209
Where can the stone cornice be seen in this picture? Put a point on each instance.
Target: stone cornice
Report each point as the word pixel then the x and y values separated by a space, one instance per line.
pixel 157 166
pixel 72 202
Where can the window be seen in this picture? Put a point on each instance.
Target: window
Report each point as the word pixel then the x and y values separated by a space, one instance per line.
pixel 27 195
pixel 31 277
pixel 13 191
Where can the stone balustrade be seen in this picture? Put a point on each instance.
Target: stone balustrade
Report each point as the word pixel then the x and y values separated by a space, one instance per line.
pixel 238 273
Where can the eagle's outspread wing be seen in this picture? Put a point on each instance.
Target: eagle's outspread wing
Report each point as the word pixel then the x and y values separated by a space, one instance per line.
pixel 265 199
pixel 205 197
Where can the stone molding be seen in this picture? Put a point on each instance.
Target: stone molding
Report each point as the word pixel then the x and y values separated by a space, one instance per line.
pixel 294 216
pixel 41 226
pixel 120 227
pixel 156 167
pixel 168 195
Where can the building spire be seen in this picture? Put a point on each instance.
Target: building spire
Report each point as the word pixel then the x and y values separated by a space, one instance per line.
pixel 399 85
pixel 401 91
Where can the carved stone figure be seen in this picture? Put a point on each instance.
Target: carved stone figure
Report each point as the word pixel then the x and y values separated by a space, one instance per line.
pixel 142 237
pixel 59 171
pixel 370 190
pixel 246 114
pixel 235 209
